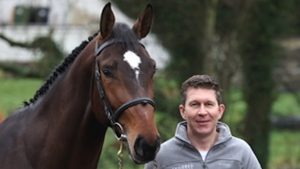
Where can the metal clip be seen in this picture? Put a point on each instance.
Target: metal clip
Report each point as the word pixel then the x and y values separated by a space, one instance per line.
pixel 119 132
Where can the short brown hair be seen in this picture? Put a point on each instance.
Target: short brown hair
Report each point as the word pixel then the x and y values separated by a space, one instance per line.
pixel 201 81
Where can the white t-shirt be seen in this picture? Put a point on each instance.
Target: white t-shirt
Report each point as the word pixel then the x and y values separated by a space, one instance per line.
pixel 203 154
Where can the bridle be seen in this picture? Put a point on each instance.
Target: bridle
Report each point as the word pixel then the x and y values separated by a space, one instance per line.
pixel 113 116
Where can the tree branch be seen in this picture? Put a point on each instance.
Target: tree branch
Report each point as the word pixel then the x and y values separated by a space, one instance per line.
pixel 15 43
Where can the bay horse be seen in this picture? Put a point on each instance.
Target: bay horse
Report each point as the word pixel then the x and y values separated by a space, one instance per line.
pixel 105 82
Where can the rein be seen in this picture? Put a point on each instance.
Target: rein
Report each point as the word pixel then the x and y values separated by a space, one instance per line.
pixel 113 116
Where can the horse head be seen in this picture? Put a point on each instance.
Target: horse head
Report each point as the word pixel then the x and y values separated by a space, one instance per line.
pixel 124 84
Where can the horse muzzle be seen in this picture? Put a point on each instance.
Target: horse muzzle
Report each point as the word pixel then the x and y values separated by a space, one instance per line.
pixel 145 151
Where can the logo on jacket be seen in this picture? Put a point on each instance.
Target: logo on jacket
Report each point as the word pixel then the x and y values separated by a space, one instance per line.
pixel 184 166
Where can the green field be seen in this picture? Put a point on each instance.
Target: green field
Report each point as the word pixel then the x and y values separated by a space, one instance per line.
pixel 284 146
pixel 13 92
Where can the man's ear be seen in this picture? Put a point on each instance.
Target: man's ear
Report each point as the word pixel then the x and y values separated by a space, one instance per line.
pixel 182 111
pixel 221 111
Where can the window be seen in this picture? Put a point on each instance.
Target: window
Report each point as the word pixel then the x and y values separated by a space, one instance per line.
pixel 31 15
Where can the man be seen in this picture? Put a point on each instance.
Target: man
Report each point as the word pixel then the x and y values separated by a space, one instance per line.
pixel 201 141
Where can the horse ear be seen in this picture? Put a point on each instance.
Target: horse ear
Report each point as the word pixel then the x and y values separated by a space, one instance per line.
pixel 143 24
pixel 107 21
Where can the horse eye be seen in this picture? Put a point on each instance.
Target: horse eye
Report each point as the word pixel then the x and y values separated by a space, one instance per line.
pixel 107 72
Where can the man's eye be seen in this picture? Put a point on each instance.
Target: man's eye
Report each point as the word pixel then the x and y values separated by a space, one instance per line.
pixel 209 104
pixel 194 104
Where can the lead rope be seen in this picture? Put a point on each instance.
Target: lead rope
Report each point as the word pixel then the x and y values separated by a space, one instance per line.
pixel 120 155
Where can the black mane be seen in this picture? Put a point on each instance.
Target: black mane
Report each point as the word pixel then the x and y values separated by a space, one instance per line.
pixel 58 70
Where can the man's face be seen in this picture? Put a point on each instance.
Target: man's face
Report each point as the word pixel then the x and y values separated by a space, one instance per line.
pixel 201 111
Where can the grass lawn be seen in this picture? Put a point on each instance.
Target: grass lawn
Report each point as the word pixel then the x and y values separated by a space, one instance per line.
pixel 285 150
pixel 13 92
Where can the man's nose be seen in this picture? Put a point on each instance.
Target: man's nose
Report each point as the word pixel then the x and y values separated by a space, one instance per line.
pixel 202 111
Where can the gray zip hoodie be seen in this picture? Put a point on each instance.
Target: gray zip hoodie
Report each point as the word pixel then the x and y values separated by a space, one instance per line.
pixel 227 153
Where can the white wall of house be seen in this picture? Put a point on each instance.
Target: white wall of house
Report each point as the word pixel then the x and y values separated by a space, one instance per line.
pixel 72 21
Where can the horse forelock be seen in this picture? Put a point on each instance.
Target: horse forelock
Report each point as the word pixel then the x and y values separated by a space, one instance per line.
pixel 61 68
pixel 122 33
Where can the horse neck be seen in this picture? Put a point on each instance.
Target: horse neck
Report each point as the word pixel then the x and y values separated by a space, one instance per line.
pixel 72 136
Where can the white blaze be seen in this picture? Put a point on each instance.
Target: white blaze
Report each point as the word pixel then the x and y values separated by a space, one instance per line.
pixel 134 61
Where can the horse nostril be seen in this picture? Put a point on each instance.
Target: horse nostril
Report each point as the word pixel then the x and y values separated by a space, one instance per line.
pixel 145 151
